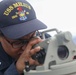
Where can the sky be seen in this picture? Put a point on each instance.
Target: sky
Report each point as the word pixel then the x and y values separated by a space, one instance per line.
pixel 59 14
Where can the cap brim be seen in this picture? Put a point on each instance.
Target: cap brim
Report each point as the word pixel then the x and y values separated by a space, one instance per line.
pixel 22 29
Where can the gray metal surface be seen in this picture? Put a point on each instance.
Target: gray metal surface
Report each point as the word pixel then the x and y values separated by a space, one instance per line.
pixel 53 64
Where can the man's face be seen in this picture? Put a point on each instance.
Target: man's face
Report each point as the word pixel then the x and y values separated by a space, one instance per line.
pixel 15 48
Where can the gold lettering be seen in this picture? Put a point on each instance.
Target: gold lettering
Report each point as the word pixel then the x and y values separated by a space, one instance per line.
pixel 20 4
pixel 8 10
pixel 27 12
pixel 11 8
pixel 15 16
pixel 29 7
pixel 26 5
pixel 6 13
pixel 15 5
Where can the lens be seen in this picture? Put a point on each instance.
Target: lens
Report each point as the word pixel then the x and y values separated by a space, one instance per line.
pixel 40 56
pixel 63 52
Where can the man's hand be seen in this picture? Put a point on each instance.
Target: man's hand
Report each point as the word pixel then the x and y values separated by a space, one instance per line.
pixel 26 55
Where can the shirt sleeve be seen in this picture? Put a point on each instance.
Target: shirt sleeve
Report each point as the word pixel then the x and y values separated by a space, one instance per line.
pixel 11 70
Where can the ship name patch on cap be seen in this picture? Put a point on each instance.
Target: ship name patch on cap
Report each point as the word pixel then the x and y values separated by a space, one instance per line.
pixel 19 12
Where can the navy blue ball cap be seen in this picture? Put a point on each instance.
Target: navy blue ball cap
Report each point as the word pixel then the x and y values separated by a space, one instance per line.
pixel 18 18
